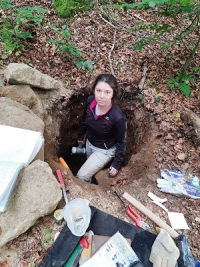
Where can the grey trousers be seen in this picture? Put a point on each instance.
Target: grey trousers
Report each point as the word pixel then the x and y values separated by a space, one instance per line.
pixel 97 158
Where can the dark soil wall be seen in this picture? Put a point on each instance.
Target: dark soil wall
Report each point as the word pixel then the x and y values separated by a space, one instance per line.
pixel 139 128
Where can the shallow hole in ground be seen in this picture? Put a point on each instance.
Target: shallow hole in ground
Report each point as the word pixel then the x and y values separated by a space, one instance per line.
pixel 138 128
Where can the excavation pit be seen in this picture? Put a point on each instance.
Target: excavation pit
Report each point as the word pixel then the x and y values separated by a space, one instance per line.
pixel 138 160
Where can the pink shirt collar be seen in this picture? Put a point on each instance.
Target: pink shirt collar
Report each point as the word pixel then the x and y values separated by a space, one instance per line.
pixel 93 104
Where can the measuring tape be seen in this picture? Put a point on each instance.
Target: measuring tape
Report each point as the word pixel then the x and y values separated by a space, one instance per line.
pixel 58 216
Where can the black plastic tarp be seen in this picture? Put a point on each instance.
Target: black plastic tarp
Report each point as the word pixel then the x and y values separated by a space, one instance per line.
pixel 101 224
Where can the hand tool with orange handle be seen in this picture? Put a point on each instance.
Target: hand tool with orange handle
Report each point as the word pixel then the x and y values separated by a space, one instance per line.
pixel 62 162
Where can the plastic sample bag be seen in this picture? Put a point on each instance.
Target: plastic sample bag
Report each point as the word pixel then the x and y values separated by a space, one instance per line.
pixel 179 183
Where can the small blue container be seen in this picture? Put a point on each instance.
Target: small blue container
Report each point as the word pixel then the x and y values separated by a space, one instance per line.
pixel 197 264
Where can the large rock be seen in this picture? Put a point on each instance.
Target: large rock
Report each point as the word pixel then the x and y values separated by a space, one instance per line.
pixel 24 95
pixel 37 193
pixel 19 73
pixel 17 115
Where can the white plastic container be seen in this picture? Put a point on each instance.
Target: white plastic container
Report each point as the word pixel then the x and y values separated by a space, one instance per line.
pixel 77 214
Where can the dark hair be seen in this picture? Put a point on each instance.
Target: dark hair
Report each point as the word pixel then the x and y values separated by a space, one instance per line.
pixel 109 79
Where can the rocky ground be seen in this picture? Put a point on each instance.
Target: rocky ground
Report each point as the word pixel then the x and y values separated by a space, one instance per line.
pixel 162 138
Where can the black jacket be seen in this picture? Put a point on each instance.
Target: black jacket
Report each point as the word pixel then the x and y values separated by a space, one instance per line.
pixel 104 131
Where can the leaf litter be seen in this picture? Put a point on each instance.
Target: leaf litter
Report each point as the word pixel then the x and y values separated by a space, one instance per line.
pixel 175 149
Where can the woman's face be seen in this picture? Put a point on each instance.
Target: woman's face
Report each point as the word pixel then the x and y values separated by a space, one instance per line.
pixel 103 94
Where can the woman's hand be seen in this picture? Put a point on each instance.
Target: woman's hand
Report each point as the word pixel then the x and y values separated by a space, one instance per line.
pixel 112 172
pixel 82 142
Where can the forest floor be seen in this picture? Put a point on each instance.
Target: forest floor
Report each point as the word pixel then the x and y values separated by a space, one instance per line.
pixel 106 41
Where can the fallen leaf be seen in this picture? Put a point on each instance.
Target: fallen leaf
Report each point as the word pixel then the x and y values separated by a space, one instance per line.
pixel 169 137
pixel 32 246
pixel 158 119
pixel 179 146
pixel 47 223
pixel 181 156
pixel 24 263
pixel 180 140
pixel 27 254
